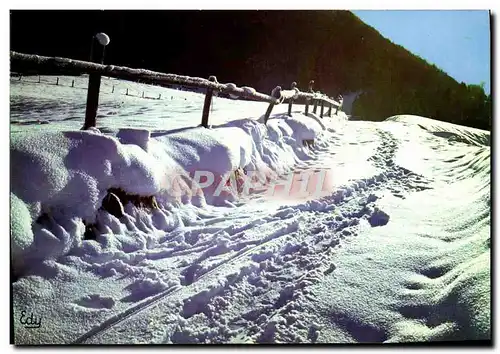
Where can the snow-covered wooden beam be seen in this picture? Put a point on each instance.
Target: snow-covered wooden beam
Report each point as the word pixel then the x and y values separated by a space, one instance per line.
pixel 326 99
pixel 27 61
pixel 20 60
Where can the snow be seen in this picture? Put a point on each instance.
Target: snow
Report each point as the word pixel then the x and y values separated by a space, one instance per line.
pixel 450 131
pixel 21 233
pixel 378 232
pixel 304 128
pixel 103 38
pixel 139 137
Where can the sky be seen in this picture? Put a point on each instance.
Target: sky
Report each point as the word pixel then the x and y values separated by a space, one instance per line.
pixel 456 41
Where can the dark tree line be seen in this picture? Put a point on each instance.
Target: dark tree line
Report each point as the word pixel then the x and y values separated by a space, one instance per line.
pixel 264 49
pixel 405 83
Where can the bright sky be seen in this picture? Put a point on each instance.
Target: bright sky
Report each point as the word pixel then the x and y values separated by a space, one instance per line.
pixel 456 41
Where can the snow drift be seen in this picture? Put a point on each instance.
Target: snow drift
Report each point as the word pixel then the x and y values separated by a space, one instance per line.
pixel 450 131
pixel 77 169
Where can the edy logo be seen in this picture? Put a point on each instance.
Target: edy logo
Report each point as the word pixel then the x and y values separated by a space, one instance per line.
pixel 31 321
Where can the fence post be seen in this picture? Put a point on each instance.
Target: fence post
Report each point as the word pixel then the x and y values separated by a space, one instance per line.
pixel 330 110
pixel 208 102
pixel 73 83
pixel 268 112
pixel 57 82
pixel 39 78
pixel 159 96
pixel 310 90
pixel 126 93
pixel 340 99
pixel 113 89
pixel 311 84
pixel 290 103
pixel 315 106
pixel 276 93
pixel 95 79
pixel 142 94
pixel 322 107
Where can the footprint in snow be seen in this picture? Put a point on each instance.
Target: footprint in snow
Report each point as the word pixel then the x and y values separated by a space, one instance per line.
pixel 96 301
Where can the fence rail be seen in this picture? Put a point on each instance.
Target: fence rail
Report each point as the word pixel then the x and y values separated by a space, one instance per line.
pixel 25 62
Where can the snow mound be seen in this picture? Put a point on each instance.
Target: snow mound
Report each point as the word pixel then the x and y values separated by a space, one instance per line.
pixel 450 131
pixel 139 137
pixel 77 169
pixel 342 115
pixel 304 128
pixel 21 233
pixel 450 304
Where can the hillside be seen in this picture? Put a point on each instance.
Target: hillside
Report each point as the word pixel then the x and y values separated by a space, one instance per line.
pixel 264 49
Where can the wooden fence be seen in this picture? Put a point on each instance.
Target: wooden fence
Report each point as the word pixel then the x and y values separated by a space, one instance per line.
pixel 54 80
pixel 25 62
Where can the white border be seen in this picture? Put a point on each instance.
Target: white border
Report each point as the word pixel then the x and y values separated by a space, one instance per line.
pixel 254 4
pixel 186 4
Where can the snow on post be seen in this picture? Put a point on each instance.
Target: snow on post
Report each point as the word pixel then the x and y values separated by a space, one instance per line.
pixel 310 90
pixel 103 39
pixel 99 43
pixel 311 84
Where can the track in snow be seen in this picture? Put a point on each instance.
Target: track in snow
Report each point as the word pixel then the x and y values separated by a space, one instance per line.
pixel 267 264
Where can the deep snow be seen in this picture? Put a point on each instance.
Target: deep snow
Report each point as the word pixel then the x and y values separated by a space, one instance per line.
pixel 395 246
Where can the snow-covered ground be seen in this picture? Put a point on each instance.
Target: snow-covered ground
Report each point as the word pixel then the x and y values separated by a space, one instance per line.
pixel 387 240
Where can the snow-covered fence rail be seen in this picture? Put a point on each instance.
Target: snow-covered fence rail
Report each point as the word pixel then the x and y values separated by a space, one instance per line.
pixel 24 62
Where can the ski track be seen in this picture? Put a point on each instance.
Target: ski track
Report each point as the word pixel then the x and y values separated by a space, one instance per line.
pixel 265 262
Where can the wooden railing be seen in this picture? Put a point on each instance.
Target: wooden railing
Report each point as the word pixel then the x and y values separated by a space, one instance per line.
pixel 25 62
